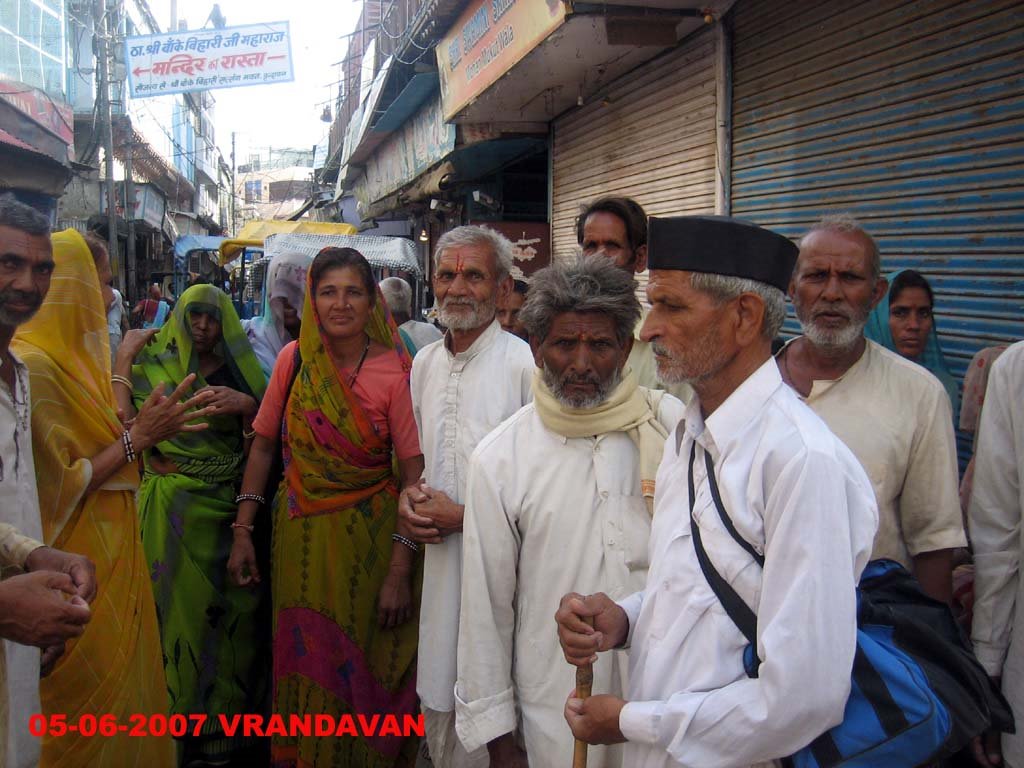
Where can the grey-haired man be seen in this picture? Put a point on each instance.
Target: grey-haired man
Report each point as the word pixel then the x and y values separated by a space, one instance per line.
pixel 559 498
pixel 463 386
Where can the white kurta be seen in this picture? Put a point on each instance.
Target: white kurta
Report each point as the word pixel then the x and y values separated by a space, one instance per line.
pixel 457 400
pixel 896 418
pixel 545 515
pixel 997 534
pixel 798 495
pixel 19 506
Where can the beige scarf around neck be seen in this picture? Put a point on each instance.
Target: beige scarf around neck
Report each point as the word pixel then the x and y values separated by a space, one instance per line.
pixel 630 408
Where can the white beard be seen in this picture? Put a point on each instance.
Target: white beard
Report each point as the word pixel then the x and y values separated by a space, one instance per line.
pixel 841 338
pixel 483 313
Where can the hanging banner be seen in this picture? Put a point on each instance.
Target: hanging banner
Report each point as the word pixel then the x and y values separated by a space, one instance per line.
pixel 489 38
pixel 178 62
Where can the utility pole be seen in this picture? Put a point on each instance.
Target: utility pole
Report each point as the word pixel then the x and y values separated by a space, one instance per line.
pixel 130 214
pixel 101 41
pixel 234 190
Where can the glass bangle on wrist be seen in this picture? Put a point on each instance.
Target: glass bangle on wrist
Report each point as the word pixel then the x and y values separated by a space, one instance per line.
pixel 407 542
pixel 129 448
pixel 247 526
pixel 250 497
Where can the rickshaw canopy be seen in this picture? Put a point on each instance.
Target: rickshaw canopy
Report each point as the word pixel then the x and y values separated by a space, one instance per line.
pixel 397 253
pixel 256 231
pixel 186 244
pixel 230 249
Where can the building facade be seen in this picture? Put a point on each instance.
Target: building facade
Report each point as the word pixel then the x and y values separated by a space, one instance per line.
pixel 164 157
pixel 36 131
pixel 909 117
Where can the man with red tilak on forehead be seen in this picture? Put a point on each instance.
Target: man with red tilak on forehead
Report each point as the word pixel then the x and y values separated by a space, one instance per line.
pixel 463 386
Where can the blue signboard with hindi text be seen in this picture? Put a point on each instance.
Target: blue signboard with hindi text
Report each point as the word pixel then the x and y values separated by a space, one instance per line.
pixel 177 62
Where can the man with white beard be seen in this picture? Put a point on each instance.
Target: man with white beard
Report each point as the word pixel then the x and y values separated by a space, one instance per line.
pixel 560 498
pixel 893 414
pixel 463 386
pixel 754 495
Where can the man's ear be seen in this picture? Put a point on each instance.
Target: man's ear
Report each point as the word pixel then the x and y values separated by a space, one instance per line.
pixel 641 259
pixel 750 316
pixel 791 289
pixel 535 345
pixel 881 288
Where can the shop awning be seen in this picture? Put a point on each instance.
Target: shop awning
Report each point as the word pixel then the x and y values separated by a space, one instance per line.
pixel 420 87
pixel 389 114
pixel 463 164
pixel 572 62
pixel 26 167
pixel 13 141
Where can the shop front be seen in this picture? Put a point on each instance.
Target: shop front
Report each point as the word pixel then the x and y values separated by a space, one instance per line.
pixel 36 145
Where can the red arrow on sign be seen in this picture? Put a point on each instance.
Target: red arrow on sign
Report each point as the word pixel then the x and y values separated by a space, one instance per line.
pixel 139 70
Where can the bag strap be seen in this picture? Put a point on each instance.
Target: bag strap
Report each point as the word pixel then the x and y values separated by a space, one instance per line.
pixel 724 516
pixel 740 613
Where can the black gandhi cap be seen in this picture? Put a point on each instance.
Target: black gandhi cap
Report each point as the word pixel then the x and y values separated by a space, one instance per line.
pixel 722 246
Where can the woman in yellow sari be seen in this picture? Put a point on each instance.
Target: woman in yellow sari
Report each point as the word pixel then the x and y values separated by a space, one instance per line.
pixel 87 487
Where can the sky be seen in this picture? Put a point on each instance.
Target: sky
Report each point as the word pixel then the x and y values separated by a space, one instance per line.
pixel 284 114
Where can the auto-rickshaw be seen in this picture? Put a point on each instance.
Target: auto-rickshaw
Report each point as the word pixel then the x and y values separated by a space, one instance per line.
pixel 387 256
pixel 247 248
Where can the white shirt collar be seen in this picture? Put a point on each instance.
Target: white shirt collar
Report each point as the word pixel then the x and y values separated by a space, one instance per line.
pixel 483 341
pixel 733 416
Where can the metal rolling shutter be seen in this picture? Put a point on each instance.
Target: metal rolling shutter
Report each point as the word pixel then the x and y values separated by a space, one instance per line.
pixel 910 115
pixel 653 140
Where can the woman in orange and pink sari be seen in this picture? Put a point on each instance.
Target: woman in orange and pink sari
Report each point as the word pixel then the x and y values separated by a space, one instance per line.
pixel 345 584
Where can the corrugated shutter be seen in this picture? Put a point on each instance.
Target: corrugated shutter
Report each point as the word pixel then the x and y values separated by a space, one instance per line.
pixel 910 115
pixel 652 139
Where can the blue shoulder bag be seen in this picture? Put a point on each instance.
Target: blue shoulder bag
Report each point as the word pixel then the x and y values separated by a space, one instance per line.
pixel 917 692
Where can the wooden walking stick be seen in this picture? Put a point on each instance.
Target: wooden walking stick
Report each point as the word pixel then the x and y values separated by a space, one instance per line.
pixel 584 683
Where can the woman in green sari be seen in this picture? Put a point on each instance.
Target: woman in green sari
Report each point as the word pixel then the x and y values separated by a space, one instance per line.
pixel 212 632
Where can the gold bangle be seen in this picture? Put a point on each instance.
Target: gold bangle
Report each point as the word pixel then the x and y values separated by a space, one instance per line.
pixel 118 379
pixel 248 435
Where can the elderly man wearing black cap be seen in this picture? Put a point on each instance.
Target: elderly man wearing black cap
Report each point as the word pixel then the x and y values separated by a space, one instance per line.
pixel 755 495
